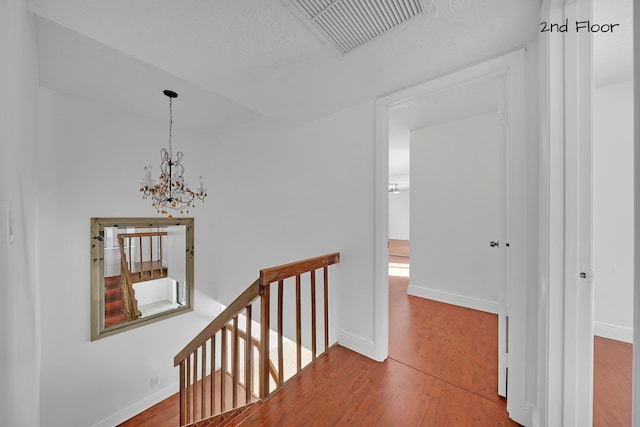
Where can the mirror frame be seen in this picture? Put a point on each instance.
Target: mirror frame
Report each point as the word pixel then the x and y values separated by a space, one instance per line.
pixel 97 272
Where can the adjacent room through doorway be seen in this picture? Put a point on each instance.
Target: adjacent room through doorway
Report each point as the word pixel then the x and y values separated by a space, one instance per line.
pixel 613 222
pixel 447 215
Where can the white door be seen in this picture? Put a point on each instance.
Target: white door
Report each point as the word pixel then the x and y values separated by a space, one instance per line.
pixel 458 217
pixel 503 256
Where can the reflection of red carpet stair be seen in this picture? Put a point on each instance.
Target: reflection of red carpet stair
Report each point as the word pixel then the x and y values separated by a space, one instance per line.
pixel 114 313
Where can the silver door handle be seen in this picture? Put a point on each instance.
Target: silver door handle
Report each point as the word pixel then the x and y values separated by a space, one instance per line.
pixel 495 244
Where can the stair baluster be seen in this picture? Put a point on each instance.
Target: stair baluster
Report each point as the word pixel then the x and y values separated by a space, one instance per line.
pixel 196 367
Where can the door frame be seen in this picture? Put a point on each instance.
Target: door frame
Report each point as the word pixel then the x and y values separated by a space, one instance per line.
pixel 636 216
pixel 565 305
pixel 512 67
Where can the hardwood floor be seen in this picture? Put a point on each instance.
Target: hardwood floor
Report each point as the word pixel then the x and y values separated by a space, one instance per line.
pixel 612 374
pixel 345 388
pixel 167 412
pixel 441 371
pixel 163 414
pixel 432 377
pixel 454 344
pixel 399 248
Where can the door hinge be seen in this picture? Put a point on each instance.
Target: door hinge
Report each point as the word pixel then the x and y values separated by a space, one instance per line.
pixel 503 118
pixel 586 274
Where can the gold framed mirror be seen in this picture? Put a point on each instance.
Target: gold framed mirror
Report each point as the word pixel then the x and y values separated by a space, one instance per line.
pixel 141 272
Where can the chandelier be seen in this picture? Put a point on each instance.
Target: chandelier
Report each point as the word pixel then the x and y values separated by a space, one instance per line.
pixel 172 193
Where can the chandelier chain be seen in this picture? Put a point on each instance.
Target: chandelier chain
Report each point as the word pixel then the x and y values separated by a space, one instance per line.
pixel 170 127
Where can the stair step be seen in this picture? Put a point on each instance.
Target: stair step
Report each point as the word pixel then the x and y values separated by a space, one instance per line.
pixel 230 418
pixel 112 282
pixel 246 413
pixel 114 306
pixel 112 295
pixel 112 320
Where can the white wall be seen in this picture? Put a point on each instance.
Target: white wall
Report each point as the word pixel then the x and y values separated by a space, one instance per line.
pixel 173 253
pixel 19 305
pixel 91 160
pixel 613 211
pixel 151 291
pixel 455 211
pixel 399 215
pixel 284 199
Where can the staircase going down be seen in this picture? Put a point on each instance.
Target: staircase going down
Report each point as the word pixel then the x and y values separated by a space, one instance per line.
pixel 240 359
pixel 230 418
pixel 114 312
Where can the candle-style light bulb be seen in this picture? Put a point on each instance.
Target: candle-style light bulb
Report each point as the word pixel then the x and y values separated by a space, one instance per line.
pixel 147 176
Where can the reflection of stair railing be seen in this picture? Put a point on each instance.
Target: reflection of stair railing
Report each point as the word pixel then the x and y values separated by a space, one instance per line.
pixel 201 394
pixel 144 269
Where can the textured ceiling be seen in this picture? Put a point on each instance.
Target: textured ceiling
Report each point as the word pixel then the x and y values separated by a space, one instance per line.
pixel 73 64
pixel 255 56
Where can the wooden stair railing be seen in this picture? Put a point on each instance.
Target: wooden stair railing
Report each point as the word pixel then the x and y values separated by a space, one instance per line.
pixel 128 293
pixel 201 396
pixel 145 269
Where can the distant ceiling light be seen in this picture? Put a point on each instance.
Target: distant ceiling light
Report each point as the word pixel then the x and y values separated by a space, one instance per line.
pixel 348 24
pixel 394 188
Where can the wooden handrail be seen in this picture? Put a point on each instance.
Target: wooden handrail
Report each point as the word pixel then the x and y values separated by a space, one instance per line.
pixel 143 270
pixel 145 234
pixel 281 272
pixel 245 298
pixel 126 287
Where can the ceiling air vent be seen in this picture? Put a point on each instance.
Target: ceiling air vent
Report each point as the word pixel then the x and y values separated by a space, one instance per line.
pixel 348 24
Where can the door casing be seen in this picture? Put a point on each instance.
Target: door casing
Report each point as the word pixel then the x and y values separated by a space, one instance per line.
pixel 512 68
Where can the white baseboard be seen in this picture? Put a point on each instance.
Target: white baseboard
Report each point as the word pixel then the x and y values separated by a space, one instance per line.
pixel 455 299
pixel 136 408
pixel 613 332
pixel 357 344
pixel 526 415
pixel 535 418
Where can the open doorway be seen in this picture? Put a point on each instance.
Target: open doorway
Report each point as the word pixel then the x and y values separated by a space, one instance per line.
pixel 512 302
pixel 613 221
pixel 447 204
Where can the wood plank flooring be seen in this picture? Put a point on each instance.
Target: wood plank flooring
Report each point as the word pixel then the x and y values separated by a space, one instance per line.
pixel 409 389
pixel 441 371
pixel 612 374
pixel 167 412
pixel 454 344
pixel 344 388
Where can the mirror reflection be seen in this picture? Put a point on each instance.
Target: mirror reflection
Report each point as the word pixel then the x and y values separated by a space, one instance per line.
pixel 142 271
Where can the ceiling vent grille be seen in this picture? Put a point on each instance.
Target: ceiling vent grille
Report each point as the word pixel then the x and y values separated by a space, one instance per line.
pixel 348 24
